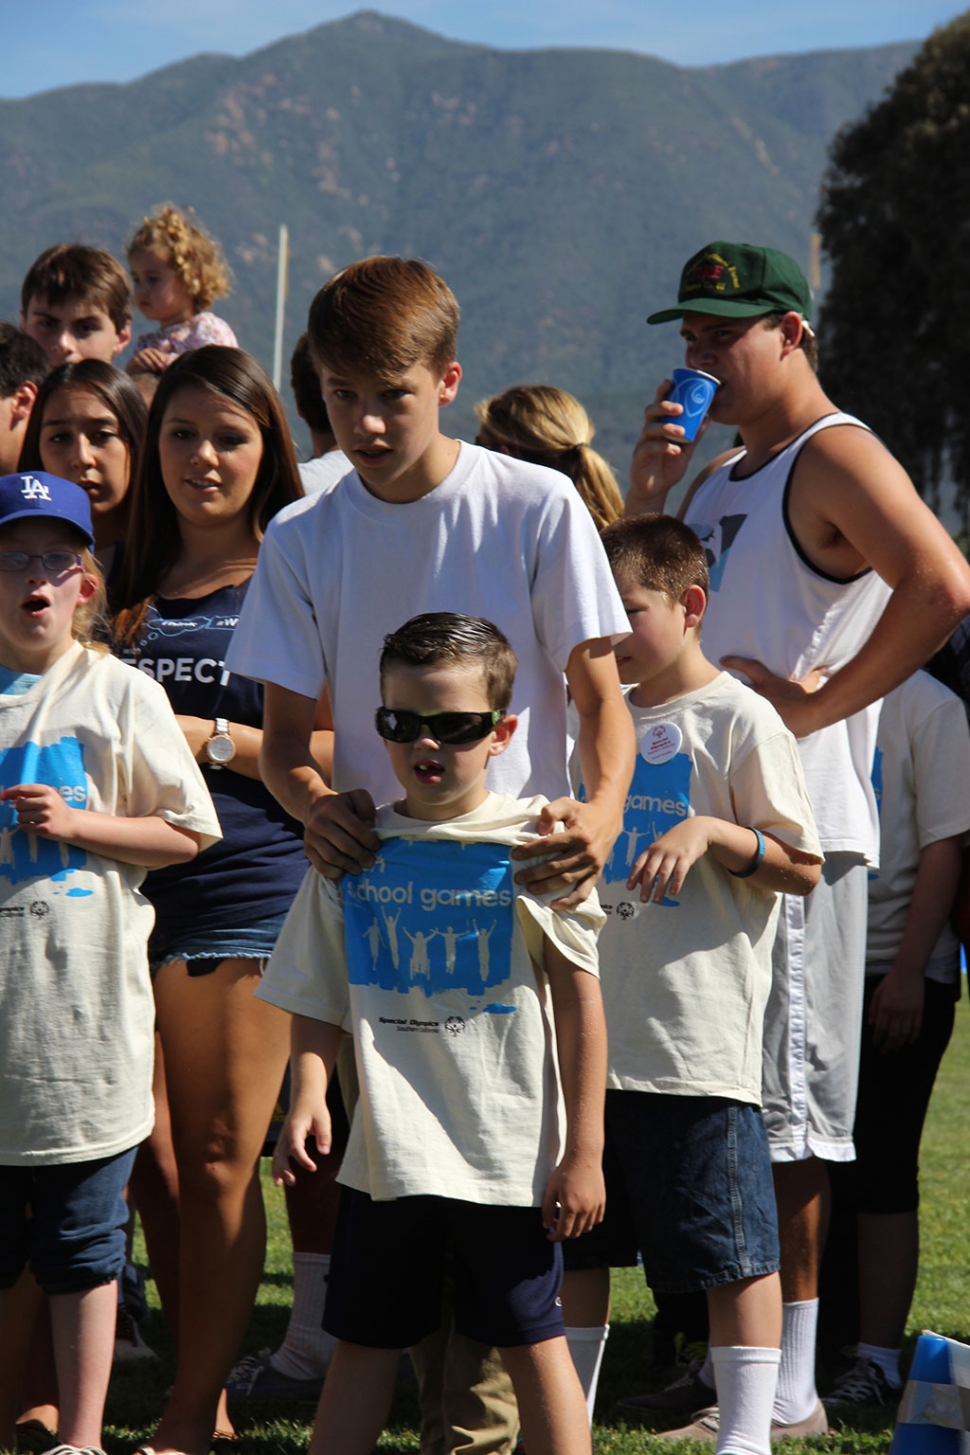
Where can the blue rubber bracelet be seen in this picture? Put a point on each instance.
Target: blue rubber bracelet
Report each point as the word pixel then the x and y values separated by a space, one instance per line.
pixel 756 862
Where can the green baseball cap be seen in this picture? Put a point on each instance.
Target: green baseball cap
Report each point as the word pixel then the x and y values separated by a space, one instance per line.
pixel 738 280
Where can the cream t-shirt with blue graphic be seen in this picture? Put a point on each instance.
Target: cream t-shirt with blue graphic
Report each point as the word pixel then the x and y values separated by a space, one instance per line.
pixel 77 1014
pixel 685 982
pixel 433 961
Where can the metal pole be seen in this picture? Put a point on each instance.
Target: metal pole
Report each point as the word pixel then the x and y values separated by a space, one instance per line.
pixel 282 273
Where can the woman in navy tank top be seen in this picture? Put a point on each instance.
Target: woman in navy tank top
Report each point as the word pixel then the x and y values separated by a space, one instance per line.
pixel 218 464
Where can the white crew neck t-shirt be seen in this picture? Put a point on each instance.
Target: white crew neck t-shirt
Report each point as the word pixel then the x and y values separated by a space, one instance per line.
pixel 498 538
pixel 433 961
pixel 686 982
pixel 77 1014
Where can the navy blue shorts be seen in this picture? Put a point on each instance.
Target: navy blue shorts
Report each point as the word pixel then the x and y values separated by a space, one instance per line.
pixel 689 1187
pixel 387 1272
pixel 74 1238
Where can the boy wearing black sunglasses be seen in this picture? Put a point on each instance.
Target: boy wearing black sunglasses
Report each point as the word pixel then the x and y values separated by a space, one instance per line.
pixel 473 1005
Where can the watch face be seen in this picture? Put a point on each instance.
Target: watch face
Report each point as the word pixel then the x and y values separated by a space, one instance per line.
pixel 220 749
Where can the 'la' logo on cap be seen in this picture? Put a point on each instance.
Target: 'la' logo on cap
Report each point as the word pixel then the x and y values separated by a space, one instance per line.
pixel 34 489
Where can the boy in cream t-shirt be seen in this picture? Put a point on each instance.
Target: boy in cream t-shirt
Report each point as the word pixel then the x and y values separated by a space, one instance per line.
pixel 717 824
pixel 480 1052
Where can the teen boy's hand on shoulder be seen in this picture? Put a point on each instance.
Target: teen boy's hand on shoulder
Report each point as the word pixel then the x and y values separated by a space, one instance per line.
pixel 339 837
pixel 575 1197
pixel 578 853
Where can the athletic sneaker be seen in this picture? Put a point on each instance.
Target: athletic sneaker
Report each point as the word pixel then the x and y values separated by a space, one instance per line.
pixel 866 1383
pixel 255 1377
pixel 74 1450
pixel 129 1344
pixel 706 1424
pixel 682 1397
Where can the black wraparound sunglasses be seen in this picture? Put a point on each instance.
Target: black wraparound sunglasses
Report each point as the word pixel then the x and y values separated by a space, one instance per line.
pixel 398 725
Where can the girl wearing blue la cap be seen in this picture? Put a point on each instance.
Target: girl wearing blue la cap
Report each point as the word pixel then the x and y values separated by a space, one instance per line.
pixel 96 786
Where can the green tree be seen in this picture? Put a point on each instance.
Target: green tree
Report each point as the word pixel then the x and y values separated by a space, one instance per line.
pixel 895 222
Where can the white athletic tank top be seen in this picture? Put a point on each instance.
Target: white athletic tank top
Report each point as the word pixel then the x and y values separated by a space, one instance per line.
pixel 767 601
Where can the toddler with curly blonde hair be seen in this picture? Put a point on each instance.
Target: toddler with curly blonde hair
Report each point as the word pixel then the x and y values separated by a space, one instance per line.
pixel 178 271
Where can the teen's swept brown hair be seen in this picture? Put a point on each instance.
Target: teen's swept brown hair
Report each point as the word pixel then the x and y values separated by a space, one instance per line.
pixel 154 537
pixel 382 316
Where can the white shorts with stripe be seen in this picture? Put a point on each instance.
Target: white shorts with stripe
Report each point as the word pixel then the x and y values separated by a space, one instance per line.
pixel 813 1022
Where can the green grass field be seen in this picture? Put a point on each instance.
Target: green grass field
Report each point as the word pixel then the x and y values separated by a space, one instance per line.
pixel 942 1303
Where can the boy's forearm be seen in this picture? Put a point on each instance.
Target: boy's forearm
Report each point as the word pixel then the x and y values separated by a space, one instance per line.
pixel 314 1046
pixel 151 842
pixel 607 750
pixel 292 774
pixel 783 869
pixel 581 1041
pixel 934 891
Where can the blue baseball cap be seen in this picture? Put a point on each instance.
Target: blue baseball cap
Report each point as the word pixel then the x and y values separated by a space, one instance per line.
pixel 35 493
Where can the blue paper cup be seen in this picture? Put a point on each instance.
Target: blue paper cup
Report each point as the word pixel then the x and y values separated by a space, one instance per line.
pixel 693 390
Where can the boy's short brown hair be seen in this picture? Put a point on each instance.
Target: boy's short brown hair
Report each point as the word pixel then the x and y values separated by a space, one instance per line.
pixel 447 637
pixel 71 270
pixel 382 316
pixel 659 552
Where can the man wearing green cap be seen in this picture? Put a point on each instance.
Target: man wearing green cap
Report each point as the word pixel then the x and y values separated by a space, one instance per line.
pixel 831 582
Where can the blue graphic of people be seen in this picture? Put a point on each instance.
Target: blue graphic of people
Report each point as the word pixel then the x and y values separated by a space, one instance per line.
pixel 433 915
pixel 658 798
pixel 29 856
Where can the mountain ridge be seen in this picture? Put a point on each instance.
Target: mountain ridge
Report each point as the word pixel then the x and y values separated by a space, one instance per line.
pixel 557 189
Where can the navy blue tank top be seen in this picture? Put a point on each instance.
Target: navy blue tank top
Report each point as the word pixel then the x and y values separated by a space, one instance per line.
pixel 258 865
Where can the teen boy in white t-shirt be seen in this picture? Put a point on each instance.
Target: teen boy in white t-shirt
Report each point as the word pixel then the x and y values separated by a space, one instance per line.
pixel 717 826
pixel 463 995
pixel 426 523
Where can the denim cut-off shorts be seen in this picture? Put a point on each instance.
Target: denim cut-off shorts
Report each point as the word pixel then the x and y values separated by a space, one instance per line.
pixel 204 950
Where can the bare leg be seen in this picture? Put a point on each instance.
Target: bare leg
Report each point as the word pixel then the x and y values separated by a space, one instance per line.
pixel 84 1333
pixel 888 1264
pixel 748 1312
pixel 225 1053
pixel 586 1298
pixel 154 1189
pixel 355 1401
pixel 551 1403
pixel 39 1398
pixel 802 1194
pixel 19 1307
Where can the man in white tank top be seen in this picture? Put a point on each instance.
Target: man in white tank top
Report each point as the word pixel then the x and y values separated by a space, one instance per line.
pixel 831 583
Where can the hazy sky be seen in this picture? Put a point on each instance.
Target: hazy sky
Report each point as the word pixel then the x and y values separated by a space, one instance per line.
pixel 51 43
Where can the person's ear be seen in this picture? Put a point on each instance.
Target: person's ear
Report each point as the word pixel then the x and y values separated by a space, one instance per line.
pixel 694 602
pixel 450 380
pixel 124 339
pixel 502 734
pixel 89 585
pixel 791 329
pixel 24 398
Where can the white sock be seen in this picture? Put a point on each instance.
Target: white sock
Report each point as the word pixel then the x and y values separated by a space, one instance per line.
pixel 306 1350
pixel 706 1371
pixel 746 1378
pixel 586 1346
pixel 887 1360
pixel 797 1396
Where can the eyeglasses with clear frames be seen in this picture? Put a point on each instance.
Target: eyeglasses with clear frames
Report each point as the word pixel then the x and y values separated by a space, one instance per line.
pixel 55 563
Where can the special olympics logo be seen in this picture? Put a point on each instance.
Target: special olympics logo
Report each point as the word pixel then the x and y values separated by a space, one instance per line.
pixel 455 1024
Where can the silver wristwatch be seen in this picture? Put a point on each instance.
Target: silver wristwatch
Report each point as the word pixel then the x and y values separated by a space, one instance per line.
pixel 220 749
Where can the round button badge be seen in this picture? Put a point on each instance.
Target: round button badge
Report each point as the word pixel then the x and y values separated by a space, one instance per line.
pixel 661 743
